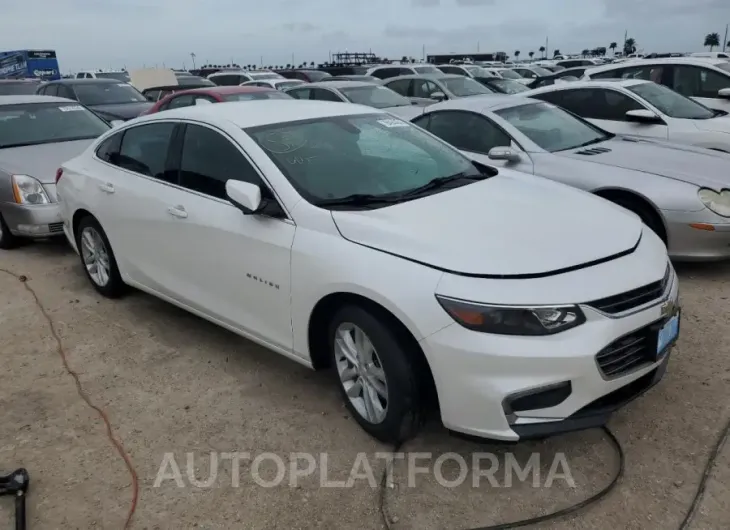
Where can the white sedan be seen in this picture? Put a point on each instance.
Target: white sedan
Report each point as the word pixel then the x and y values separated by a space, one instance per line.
pixel 641 108
pixel 340 236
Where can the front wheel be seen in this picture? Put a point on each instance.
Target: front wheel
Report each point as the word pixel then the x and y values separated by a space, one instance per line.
pixel 98 258
pixel 376 375
pixel 7 240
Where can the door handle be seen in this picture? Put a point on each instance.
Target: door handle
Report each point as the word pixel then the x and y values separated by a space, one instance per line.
pixel 106 188
pixel 177 211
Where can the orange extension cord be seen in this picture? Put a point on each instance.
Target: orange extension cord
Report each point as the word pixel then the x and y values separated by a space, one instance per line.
pixel 82 393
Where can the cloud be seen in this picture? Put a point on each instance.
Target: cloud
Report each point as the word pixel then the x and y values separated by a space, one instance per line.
pixel 302 27
pixel 137 32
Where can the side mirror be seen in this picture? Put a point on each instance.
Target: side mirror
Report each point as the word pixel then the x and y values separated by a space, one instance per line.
pixel 438 96
pixel 504 153
pixel 244 195
pixel 643 116
pixel 724 93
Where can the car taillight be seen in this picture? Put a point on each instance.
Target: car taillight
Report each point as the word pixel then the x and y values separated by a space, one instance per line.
pixel 59 174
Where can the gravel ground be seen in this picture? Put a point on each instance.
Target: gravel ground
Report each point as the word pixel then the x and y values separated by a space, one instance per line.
pixel 174 384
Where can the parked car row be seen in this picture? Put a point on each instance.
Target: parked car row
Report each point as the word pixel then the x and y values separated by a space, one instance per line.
pixel 535 240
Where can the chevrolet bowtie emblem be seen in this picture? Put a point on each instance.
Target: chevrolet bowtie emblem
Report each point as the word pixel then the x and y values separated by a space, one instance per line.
pixel 667 308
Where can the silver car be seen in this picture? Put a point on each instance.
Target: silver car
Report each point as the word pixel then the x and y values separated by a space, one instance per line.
pixel 680 192
pixel 369 94
pixel 280 83
pixel 437 87
pixel 37 135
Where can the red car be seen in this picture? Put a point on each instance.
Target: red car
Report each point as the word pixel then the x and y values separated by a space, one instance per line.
pixel 218 94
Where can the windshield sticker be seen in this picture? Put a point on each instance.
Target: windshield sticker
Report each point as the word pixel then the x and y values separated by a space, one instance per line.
pixel 392 123
pixel 70 108
pixel 284 142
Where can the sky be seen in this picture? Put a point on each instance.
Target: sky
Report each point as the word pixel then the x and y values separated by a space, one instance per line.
pixel 89 34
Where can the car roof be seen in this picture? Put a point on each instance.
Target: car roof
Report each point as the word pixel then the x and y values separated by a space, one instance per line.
pixel 265 112
pixel 97 81
pixel 698 61
pixel 483 102
pixel 224 90
pixel 424 76
pixel 603 83
pixel 339 84
pixel 25 99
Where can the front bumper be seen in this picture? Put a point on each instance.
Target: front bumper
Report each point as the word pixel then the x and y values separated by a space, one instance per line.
pixel 34 221
pixel 709 240
pixel 478 375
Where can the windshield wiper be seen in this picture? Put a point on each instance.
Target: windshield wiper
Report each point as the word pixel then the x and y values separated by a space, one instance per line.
pixel 441 182
pixel 590 142
pixel 359 199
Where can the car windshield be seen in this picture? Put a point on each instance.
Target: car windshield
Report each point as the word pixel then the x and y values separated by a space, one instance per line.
pixel 119 76
pixel 426 70
pixel 552 128
pixel 509 74
pixel 541 71
pixel 258 95
pixel 507 86
pixel 376 96
pixel 192 81
pixel 377 155
pixel 264 75
pixel 671 103
pixel 41 123
pixel 478 71
pixel 316 75
pixel 465 86
pixel 289 83
pixel 107 93
pixel 18 89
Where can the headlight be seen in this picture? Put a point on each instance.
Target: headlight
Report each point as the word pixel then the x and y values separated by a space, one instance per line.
pixel 27 190
pixel 511 320
pixel 717 202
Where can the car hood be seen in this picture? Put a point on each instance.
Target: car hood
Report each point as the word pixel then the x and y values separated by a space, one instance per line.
pixel 719 124
pixel 41 161
pixel 509 225
pixel 122 111
pixel 701 167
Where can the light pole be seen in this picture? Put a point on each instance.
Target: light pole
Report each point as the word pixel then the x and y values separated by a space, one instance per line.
pixel 192 56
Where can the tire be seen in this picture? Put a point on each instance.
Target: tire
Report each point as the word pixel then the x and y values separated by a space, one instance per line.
pixel 648 217
pixel 7 240
pixel 402 412
pixel 109 284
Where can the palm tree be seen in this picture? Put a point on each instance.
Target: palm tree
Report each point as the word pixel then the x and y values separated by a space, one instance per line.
pixel 517 54
pixel 613 47
pixel 556 52
pixel 311 64
pixel 585 52
pixel 629 46
pixel 712 40
pixel 542 51
pixel 531 54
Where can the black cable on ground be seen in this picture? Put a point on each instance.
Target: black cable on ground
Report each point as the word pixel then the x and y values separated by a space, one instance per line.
pixel 722 439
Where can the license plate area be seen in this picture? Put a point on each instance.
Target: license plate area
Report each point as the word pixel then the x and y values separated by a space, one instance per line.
pixel 667 335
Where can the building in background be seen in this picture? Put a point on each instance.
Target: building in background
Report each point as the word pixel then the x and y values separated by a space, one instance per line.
pixel 24 64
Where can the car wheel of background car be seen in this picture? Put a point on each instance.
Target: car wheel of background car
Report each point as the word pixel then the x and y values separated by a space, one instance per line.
pixel 98 259
pixel 7 240
pixel 376 375
pixel 649 217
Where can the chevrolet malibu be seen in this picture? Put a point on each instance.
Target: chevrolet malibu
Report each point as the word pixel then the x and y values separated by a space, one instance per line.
pixel 37 134
pixel 341 236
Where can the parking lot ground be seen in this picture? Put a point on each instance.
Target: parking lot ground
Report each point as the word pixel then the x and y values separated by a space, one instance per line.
pixel 173 383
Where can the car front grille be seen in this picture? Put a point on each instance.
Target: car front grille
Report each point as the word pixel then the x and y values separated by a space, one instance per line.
pixel 635 298
pixel 55 228
pixel 630 352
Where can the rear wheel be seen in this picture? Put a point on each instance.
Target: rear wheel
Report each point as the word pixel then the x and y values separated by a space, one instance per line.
pixel 376 375
pixel 7 240
pixel 98 258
